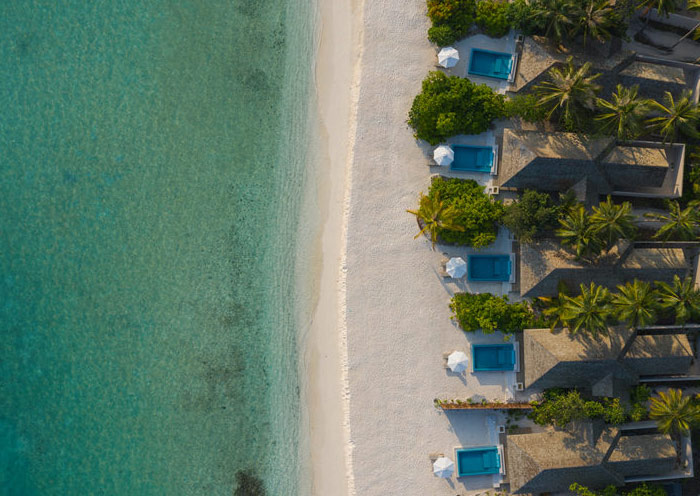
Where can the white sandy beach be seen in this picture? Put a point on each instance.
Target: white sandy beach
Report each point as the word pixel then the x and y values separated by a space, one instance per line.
pixel 397 317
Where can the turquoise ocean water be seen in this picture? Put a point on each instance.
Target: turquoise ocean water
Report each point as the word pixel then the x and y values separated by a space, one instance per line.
pixel 153 164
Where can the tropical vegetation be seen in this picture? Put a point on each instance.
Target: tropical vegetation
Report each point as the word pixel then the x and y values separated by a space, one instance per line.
pixel 434 216
pixel 570 92
pixel 451 20
pixel 643 490
pixel 589 311
pixel 577 232
pixel 675 117
pixel 532 216
pixel 624 115
pixel 559 407
pixel 450 105
pixel 490 313
pixel 679 223
pixel 635 303
pixel 611 222
pixel 680 298
pixel 492 17
pixel 475 212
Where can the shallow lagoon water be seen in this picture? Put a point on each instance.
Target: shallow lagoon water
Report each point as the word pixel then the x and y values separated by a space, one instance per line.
pixel 152 169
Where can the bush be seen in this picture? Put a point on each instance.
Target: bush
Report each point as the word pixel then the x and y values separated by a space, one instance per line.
pixel 559 407
pixel 532 216
pixel 639 396
pixel 525 107
pixel 492 17
pixel 455 15
pixel 643 490
pixel 490 313
pixel 450 105
pixel 477 213
pixel 691 180
pixel 441 35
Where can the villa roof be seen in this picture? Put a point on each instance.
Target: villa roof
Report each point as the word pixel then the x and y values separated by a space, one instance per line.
pixel 549 461
pixel 544 264
pixel 604 364
pixel 559 161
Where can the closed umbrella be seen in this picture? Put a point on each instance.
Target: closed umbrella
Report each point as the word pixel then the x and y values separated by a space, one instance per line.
pixel 456 267
pixel 443 467
pixel 448 57
pixel 443 155
pixel 457 361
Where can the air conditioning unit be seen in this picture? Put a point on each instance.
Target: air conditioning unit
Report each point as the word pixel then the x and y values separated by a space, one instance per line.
pixel 492 190
pixel 519 386
pixel 501 429
pixel 519 38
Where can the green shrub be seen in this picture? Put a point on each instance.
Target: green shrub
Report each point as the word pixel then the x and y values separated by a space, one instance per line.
pixel 450 105
pixel 476 212
pixel 520 16
pixel 639 396
pixel 532 216
pixel 559 407
pixel 643 490
pixel 441 35
pixel 490 313
pixel 492 17
pixel 525 107
pixel 456 15
pixel 691 180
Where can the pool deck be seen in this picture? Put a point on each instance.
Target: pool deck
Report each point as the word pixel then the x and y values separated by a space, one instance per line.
pixel 464 47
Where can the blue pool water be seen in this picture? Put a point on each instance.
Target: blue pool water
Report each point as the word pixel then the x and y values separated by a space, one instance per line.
pixel 490 64
pixel 472 158
pixel 153 171
pixel 478 461
pixel 489 267
pixel 493 357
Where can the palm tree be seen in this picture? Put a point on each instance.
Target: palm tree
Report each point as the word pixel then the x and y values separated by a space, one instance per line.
pixel 555 306
pixel 681 298
pixel 676 117
pixel 682 224
pixel 624 115
pixel 636 303
pixel 674 413
pixel 435 215
pixel 595 18
pixel 612 222
pixel 664 7
pixel 588 311
pixel 555 16
pixel 577 232
pixel 570 90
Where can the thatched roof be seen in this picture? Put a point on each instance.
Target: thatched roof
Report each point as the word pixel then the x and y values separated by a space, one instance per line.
pixel 544 264
pixel 549 461
pixel 559 359
pixel 559 161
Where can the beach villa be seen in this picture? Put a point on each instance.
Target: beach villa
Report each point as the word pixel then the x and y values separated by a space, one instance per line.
pixel 604 366
pixel 590 166
pixel 544 264
pixel 590 453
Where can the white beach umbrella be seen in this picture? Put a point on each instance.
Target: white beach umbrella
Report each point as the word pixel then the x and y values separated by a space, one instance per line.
pixel 457 361
pixel 456 267
pixel 443 155
pixel 448 57
pixel 443 467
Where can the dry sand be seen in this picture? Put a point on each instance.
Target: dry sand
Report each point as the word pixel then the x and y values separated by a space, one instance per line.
pixel 397 317
pixel 374 355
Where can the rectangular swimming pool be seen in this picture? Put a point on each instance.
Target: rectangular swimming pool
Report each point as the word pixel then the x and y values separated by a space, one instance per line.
pixel 491 268
pixel 474 158
pixel 478 461
pixel 497 65
pixel 487 357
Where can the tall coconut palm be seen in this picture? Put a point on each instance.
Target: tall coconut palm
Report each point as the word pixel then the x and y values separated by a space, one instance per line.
pixel 676 117
pixel 595 18
pixel 623 116
pixel 556 16
pixel 680 298
pixel 635 303
pixel 674 413
pixel 680 224
pixel 588 311
pixel 577 232
pixel 570 90
pixel 435 216
pixel 613 221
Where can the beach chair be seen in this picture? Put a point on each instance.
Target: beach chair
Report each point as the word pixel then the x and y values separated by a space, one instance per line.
pixel 442 271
